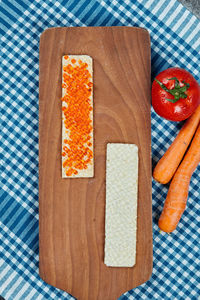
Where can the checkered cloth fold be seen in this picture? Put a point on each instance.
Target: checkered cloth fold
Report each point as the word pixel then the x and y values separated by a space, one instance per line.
pixel 175 41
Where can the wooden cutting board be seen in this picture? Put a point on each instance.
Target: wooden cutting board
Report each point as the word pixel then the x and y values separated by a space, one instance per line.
pixel 72 211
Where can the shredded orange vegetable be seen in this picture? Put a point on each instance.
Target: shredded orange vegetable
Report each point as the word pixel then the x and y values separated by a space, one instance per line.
pixel 77 117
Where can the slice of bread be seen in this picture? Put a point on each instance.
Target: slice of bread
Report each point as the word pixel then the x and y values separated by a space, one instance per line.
pixel 121 205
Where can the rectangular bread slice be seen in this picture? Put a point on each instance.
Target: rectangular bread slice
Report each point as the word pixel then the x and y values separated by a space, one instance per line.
pixel 121 205
pixel 77 116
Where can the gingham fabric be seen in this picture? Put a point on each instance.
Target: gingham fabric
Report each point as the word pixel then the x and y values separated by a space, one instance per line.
pixel 175 41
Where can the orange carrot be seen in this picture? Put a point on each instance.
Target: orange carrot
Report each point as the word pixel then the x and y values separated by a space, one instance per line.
pixel 170 161
pixel 178 191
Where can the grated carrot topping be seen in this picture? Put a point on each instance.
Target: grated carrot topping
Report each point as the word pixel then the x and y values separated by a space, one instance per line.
pixel 77 117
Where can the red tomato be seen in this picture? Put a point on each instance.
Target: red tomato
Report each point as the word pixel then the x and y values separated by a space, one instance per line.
pixel 175 94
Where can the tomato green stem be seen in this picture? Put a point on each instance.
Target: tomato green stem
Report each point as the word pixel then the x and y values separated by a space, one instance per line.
pixel 178 91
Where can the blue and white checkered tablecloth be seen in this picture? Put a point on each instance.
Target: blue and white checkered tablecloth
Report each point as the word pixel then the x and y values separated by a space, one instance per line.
pixel 175 38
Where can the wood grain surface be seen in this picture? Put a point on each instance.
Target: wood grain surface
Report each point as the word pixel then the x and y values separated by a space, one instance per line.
pixel 72 211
